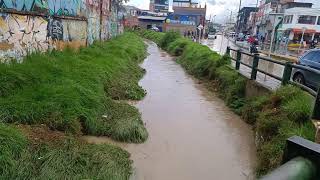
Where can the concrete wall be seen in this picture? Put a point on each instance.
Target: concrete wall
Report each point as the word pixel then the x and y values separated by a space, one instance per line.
pixel 40 25
pixel 255 89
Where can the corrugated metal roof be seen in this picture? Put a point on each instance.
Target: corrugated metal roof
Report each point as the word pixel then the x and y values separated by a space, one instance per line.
pixel 155 18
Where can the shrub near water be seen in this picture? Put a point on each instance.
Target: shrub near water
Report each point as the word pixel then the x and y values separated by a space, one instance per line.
pixel 275 118
pixel 21 158
pixel 71 91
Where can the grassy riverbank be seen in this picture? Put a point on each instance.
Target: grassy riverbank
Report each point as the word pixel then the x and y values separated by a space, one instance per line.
pixel 70 93
pixel 274 118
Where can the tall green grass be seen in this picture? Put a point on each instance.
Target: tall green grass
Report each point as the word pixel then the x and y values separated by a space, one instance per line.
pixel 275 118
pixel 71 90
pixel 21 158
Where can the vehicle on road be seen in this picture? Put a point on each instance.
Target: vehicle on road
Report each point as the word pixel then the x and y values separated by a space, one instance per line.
pixel 253 49
pixel 154 28
pixel 212 36
pixel 310 59
pixel 232 34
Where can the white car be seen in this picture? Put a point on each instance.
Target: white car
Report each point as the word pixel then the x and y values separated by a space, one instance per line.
pixel 155 29
pixel 212 36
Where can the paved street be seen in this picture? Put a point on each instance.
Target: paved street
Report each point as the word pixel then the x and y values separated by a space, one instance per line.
pixel 220 45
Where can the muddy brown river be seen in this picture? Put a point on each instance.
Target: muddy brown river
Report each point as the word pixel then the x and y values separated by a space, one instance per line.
pixel 192 134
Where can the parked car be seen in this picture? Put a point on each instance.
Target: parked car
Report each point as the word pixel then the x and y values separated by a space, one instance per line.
pixel 155 29
pixel 310 59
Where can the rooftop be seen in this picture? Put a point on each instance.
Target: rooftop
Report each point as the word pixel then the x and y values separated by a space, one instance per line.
pixel 154 18
pixel 303 11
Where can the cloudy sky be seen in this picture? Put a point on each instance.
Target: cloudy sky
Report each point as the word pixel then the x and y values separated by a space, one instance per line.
pixel 218 7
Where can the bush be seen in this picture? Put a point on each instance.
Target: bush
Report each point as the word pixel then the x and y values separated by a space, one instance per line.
pixel 71 91
pixel 299 109
pixel 11 146
pixel 168 38
pixel 253 107
pixel 284 114
pixel 178 46
pixel 154 36
pixel 68 158
pixel 268 124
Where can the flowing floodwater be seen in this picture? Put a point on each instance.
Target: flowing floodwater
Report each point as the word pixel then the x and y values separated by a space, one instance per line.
pixel 192 134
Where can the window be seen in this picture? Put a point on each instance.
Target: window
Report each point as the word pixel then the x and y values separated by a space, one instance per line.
pixel 288 19
pixel 307 20
pixel 309 56
pixel 316 57
pixel 318 20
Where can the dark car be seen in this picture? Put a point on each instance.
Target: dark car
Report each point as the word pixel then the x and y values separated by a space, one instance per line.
pixel 311 59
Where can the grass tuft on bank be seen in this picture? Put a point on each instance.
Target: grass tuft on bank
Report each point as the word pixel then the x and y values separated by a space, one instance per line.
pixel 24 156
pixel 71 91
pixel 275 118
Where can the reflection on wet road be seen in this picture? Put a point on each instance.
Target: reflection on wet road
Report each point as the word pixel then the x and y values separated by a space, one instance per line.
pixel 220 45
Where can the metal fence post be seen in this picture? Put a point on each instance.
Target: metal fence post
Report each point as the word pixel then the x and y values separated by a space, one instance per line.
pixel 228 51
pixel 316 110
pixel 238 59
pixel 255 65
pixel 287 73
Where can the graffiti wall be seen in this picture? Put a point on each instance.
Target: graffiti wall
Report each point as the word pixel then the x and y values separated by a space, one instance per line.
pixel 67 7
pixel 25 5
pixel 39 25
pixel 20 35
pixel 111 24
pixel 74 34
pixel 93 17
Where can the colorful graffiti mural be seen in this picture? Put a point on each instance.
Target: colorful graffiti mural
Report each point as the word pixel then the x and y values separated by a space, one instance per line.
pixel 25 5
pixel 48 28
pixel 67 7
pixel 20 35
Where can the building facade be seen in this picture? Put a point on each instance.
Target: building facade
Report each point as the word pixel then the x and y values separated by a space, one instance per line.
pixel 243 18
pixel 269 13
pixel 149 19
pixel 130 14
pixel 298 21
pixel 159 5
pixel 187 16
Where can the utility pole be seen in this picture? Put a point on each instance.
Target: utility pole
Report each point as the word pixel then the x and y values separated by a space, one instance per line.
pixel 238 18
pixel 230 23
pixel 255 17
pixel 101 19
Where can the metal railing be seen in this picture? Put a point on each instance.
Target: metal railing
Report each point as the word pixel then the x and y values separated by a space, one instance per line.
pixel 286 76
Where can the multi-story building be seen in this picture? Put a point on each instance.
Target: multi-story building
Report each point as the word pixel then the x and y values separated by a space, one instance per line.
pixel 130 15
pixel 298 21
pixel 159 5
pixel 269 13
pixel 264 19
pixel 149 19
pixel 243 17
pixel 251 23
pixel 187 16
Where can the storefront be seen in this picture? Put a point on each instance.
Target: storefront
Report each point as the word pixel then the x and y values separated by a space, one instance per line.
pixel 295 35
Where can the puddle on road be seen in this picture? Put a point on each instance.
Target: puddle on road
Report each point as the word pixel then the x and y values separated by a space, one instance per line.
pixel 192 134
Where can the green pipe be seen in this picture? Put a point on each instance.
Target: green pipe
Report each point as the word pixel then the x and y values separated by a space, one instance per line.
pixel 297 169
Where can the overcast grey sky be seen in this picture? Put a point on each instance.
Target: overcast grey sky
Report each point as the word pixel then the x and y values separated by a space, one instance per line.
pixel 218 7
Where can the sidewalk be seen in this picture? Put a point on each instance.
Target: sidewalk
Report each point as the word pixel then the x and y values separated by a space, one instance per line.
pixel 276 56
